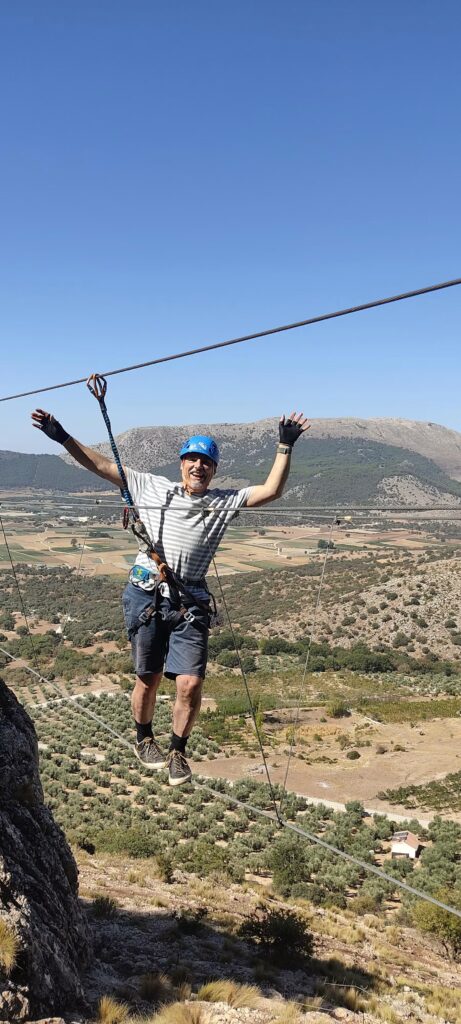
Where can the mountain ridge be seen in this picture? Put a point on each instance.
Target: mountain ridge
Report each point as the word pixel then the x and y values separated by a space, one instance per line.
pixel 432 440
pixel 344 460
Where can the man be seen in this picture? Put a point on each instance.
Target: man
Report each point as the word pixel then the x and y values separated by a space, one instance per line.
pixel 185 521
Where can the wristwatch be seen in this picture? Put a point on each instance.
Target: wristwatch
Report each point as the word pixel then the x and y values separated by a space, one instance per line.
pixel 284 449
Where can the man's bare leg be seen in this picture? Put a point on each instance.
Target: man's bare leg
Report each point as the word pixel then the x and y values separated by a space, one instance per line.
pixel 144 696
pixel 187 704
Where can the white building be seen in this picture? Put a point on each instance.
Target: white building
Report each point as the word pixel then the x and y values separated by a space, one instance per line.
pixel 405 844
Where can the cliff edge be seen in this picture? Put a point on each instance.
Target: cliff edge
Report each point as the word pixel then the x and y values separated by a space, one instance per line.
pixel 44 942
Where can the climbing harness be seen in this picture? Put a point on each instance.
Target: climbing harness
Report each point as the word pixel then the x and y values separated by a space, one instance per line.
pixel 181 596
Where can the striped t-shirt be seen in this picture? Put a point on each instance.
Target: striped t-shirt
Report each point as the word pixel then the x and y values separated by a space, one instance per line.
pixel 183 536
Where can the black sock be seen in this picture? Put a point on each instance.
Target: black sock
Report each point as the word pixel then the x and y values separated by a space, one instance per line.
pixel 143 732
pixel 178 742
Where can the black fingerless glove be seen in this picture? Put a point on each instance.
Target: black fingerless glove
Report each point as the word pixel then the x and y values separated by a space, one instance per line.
pixel 53 429
pixel 289 432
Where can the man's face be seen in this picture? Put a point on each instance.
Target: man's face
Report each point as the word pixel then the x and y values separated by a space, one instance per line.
pixel 197 472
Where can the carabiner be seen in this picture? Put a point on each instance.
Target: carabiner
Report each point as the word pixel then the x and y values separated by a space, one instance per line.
pixel 97 385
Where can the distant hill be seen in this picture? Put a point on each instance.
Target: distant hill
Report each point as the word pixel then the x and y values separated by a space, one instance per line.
pixel 156 446
pixel 341 461
pixel 44 472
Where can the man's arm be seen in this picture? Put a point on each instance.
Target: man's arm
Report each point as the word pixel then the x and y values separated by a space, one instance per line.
pixel 289 431
pixel 86 457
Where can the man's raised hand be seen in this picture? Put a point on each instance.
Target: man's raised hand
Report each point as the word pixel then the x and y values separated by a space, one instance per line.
pixel 45 422
pixel 292 427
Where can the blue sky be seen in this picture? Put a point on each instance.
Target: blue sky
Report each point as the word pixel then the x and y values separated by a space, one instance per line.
pixel 176 174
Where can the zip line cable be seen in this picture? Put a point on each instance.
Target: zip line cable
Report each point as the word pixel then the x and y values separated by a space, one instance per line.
pixel 286 510
pixel 248 337
pixel 306 663
pixel 228 798
pixel 242 671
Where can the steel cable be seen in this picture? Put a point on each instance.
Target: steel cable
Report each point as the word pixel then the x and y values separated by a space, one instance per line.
pixel 306 663
pixel 248 337
pixel 242 671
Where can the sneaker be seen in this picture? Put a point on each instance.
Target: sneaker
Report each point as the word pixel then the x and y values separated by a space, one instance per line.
pixel 151 755
pixel 178 768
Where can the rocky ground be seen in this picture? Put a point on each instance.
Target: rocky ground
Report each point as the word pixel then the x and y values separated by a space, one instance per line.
pixel 160 942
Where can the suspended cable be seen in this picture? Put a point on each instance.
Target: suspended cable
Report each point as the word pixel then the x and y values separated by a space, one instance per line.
pixel 75 576
pixel 242 670
pixel 306 661
pixel 248 337
pixel 78 502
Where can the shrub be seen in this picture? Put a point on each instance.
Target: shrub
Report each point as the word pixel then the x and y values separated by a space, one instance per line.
pixel 441 923
pixel 287 862
pixel 281 934
pixel 164 867
pixel 104 906
pixel 133 841
pixel 248 663
pixel 229 659
pixel 352 755
pixel 336 708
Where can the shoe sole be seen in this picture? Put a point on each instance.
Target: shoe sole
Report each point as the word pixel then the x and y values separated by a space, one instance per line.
pixel 179 782
pixel 153 767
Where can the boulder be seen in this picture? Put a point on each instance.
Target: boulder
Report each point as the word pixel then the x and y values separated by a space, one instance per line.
pixel 39 908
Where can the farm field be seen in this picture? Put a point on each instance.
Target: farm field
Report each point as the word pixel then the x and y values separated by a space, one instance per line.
pixel 105 548
pixel 102 795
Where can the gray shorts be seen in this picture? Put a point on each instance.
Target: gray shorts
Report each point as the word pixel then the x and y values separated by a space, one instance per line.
pixel 157 646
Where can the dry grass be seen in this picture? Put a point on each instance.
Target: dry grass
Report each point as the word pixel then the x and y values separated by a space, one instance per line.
pixel 110 1011
pixel 383 1011
pixel 9 947
pixel 180 1013
pixel 230 992
pixel 390 955
pixel 350 934
pixel 104 906
pixel 444 1002
pixel 156 988
pixel 291 1012
pixel 350 997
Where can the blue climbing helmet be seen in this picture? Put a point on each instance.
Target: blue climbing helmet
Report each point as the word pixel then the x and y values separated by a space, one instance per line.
pixel 200 444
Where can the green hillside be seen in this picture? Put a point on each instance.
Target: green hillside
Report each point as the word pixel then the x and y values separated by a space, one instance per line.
pixel 44 472
pixel 324 471
pixel 333 470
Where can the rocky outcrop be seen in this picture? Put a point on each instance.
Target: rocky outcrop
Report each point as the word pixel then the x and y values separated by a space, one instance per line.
pixel 39 908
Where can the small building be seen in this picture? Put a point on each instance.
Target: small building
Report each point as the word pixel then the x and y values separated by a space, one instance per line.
pixel 405 844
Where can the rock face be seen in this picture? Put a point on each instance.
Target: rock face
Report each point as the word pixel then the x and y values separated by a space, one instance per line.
pixel 38 883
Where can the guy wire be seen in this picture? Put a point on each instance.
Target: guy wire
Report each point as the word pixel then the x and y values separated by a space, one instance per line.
pixel 248 337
